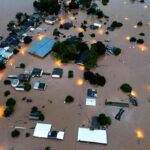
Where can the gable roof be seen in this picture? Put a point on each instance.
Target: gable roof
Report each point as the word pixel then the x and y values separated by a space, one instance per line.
pixel 42 48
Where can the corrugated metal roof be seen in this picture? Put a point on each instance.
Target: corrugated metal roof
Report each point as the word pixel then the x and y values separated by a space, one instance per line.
pixel 43 47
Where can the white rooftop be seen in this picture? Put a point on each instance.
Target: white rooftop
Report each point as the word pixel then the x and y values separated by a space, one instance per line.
pixel 94 136
pixel 90 101
pixel 60 135
pixel 41 130
pixel 98 25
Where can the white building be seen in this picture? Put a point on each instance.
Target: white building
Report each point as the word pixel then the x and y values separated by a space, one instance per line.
pixel 93 136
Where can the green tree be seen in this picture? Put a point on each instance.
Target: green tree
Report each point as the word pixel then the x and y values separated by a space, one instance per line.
pixel 126 88
pixel 27 39
pixel 90 60
pixel 8 111
pixel 19 16
pixel 2 66
pixel 50 6
pixel 104 120
pixel 69 99
pixel 15 133
pixel 117 51
pixel 27 86
pixel 10 102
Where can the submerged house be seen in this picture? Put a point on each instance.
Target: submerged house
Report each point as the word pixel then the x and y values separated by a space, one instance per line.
pixel 92 136
pixel 36 72
pixel 51 20
pixel 57 73
pixel 44 131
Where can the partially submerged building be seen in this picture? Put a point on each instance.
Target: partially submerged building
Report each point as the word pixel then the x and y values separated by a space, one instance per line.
pixel 36 72
pixel 92 136
pixel 39 86
pixel 57 73
pixel 42 48
pixel 44 131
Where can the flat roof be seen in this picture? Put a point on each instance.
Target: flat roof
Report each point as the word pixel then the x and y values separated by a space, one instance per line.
pixel 42 48
pixel 41 130
pixel 94 136
pixel 91 101
pixel 60 135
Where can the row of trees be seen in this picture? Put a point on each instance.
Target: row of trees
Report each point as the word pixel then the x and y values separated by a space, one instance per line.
pixel 69 50
pixel 10 104
pixel 95 79
pixel 49 6
pixel 96 50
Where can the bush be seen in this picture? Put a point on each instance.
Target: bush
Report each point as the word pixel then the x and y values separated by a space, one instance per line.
pixel 41 117
pixel 70 74
pixel 15 133
pixel 7 82
pixel 22 65
pixel 6 93
pixel 105 2
pixel 34 109
pixel 27 86
pixel 94 78
pixel 104 120
pixel 8 111
pixel 132 39
pixel 92 35
pixel 27 40
pixel 140 41
pixel 10 102
pixel 139 23
pixel 88 75
pixel 2 66
pixel 142 34
pixel 117 51
pixel 101 81
pixel 81 35
pixel 15 51
pixel 27 134
pixel 69 99
pixel 126 88
pixel 47 148
pixel 116 24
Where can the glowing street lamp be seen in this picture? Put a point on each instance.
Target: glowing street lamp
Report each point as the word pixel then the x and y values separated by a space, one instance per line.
pixel 80 82
pixel 2 109
pixel 82 68
pixel 58 63
pixel 127 38
pixel 40 36
pixel 139 135
pixel 133 93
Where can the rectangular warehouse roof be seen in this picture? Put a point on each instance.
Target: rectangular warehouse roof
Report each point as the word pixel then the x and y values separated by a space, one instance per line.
pixel 42 130
pixel 42 48
pixel 94 136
